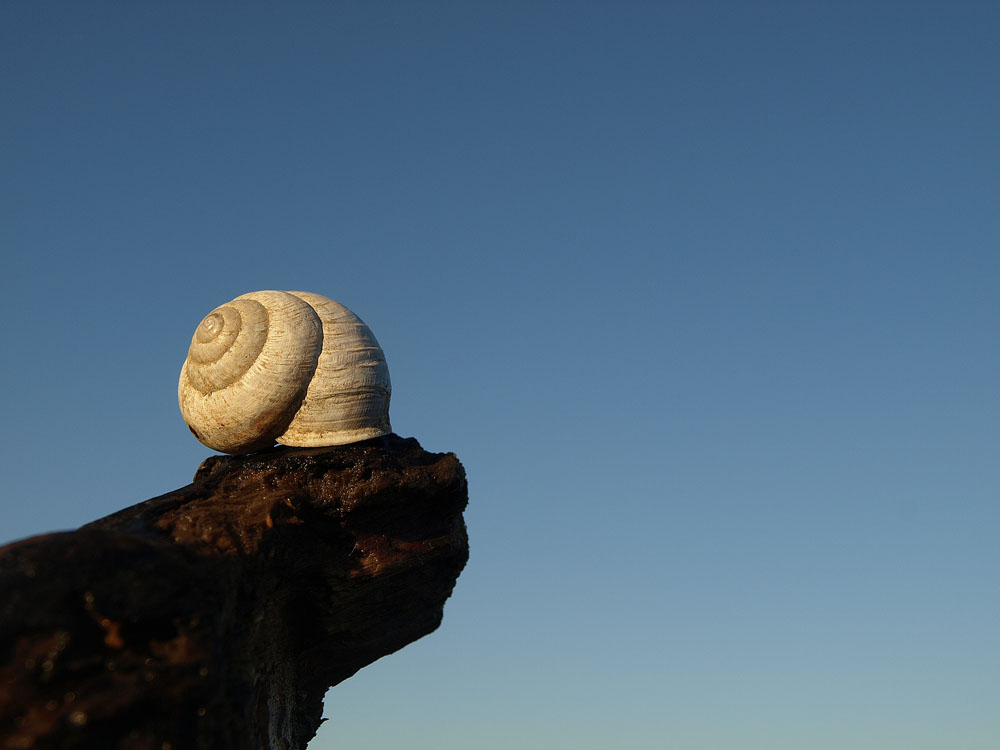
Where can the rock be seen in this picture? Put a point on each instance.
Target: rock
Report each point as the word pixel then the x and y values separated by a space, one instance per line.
pixel 217 615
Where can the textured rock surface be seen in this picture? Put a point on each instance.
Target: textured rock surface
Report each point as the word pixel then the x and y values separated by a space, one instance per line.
pixel 217 616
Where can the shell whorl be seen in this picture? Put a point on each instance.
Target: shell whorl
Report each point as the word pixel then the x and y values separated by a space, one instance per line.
pixel 291 367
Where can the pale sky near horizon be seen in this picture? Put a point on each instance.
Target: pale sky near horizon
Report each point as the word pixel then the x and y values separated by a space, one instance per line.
pixel 704 296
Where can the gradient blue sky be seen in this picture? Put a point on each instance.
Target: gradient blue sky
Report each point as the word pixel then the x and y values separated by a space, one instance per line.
pixel 703 294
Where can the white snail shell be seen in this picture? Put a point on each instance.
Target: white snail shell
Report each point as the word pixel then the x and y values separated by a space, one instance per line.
pixel 288 367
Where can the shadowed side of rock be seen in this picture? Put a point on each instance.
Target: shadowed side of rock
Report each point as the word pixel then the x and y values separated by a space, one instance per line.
pixel 218 615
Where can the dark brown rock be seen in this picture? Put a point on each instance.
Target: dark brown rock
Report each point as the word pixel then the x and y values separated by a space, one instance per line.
pixel 217 616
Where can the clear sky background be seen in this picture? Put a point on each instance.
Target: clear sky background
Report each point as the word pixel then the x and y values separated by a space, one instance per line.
pixel 704 296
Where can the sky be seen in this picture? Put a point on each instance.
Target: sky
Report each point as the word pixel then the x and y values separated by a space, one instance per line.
pixel 702 294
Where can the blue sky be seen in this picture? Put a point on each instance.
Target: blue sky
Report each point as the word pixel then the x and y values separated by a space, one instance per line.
pixel 702 294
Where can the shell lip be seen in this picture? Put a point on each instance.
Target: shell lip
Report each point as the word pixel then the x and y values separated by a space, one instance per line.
pixel 340 437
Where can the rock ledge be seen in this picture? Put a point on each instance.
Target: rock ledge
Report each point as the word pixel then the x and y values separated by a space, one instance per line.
pixel 217 615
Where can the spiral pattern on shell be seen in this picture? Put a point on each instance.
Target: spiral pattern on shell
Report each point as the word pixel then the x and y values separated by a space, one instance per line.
pixel 289 367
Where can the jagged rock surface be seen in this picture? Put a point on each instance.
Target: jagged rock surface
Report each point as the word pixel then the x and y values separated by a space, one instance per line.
pixel 217 615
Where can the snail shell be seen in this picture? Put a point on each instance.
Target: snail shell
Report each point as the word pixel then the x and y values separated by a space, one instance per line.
pixel 291 367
